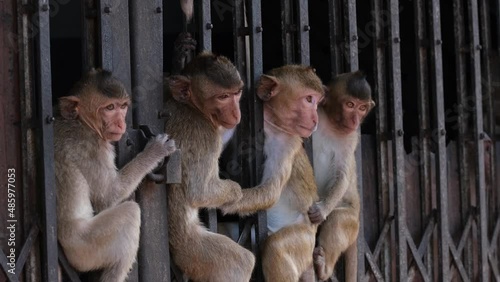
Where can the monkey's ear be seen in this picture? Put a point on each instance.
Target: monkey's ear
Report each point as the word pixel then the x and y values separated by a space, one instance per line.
pixel 69 107
pixel 267 87
pixel 179 88
pixel 326 93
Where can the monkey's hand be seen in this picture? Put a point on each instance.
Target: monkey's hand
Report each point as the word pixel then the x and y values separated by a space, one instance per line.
pixel 161 145
pixel 184 46
pixel 316 216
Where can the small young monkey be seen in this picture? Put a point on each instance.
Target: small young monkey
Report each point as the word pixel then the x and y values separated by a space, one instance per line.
pixel 347 102
pixel 96 225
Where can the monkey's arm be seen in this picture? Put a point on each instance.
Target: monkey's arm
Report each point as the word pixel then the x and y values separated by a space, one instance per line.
pixel 213 193
pixel 320 210
pixel 132 174
pixel 266 194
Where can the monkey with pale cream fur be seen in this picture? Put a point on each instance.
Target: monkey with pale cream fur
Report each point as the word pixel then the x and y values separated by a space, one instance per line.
pixel 291 95
pixel 347 102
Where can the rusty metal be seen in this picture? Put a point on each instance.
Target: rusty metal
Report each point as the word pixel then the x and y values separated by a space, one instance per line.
pixel 441 182
pixel 398 152
pixel 386 198
pixel 462 119
pixel 424 119
pixel 477 128
pixel 45 136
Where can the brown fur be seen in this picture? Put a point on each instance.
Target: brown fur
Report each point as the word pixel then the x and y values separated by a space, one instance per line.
pixel 97 227
pixel 196 121
pixel 335 169
pixel 291 95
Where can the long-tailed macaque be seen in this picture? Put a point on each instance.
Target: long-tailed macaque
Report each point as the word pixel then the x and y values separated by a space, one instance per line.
pixel 291 95
pixel 97 227
pixel 346 104
pixel 204 103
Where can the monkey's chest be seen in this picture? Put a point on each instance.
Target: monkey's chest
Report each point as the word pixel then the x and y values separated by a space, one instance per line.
pixel 326 166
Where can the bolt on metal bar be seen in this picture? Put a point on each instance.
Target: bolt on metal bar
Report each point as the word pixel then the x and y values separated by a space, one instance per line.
pixel 398 153
pixel 206 25
pixel 439 135
pixel 303 56
pixel 46 143
pixel 478 128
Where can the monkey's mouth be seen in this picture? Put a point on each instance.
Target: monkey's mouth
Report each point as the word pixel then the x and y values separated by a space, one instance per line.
pixel 228 125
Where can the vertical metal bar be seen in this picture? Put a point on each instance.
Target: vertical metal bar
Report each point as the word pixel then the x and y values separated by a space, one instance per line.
pixel 486 58
pixel 351 35
pixel 303 32
pixel 255 104
pixel 46 142
pixel 89 36
pixel 206 25
pixel 380 90
pixel 287 34
pixel 478 136
pixel 146 48
pixel 205 39
pixel 398 153
pixel 462 120
pixel 423 116
pixel 439 135
pixel 335 22
pixel 351 51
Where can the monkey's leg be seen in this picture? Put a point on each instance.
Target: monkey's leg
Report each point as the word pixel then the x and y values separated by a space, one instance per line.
pixel 337 233
pixel 108 241
pixel 212 257
pixel 287 254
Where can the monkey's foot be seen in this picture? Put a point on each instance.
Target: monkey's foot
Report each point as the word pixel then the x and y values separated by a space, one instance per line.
pixel 319 263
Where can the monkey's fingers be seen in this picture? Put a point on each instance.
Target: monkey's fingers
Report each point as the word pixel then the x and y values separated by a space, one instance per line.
pixel 315 215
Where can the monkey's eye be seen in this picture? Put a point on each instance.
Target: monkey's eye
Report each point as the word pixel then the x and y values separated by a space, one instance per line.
pixel 124 106
pixel 110 107
pixel 309 99
pixel 350 104
pixel 363 108
pixel 223 96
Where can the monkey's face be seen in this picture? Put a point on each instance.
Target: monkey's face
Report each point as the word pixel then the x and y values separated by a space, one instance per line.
pixel 221 105
pixel 350 113
pixel 113 114
pixel 295 110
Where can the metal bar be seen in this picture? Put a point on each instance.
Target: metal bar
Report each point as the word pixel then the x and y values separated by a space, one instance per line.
pixel 205 39
pixel 303 32
pixel 46 142
pixel 380 89
pixel 424 116
pixel 351 36
pixel 287 34
pixel 439 135
pixel 257 131
pixel 351 51
pixel 335 22
pixel 146 48
pixel 206 25
pixel 89 36
pixel 398 153
pixel 462 119
pixel 486 74
pixel 478 137
pixel 65 265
